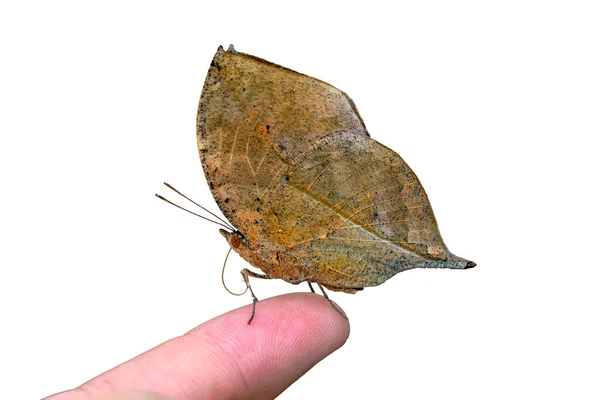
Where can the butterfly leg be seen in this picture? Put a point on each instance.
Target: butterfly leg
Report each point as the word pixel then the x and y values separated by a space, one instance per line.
pixel 305 279
pixel 246 273
pixel 335 306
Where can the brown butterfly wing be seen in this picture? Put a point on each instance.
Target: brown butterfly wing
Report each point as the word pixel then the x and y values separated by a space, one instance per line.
pixel 292 167
pixel 357 214
pixel 253 118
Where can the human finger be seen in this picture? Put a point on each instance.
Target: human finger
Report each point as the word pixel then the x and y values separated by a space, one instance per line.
pixel 227 358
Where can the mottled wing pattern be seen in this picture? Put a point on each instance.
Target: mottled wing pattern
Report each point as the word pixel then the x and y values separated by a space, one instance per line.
pixel 291 165
pixel 254 117
pixel 354 210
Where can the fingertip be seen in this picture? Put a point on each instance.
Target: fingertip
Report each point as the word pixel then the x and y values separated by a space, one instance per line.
pixel 296 313
pixel 311 313
pixel 288 335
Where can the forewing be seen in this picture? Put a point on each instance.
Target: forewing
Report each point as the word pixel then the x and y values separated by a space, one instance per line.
pixel 254 117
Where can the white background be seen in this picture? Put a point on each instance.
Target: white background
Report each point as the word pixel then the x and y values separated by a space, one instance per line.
pixel 495 105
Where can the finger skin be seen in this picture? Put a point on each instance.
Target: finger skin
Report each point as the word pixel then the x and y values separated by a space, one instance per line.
pixel 227 358
pixel 131 395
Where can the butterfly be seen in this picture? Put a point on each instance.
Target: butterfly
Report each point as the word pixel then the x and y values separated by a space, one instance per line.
pixel 310 196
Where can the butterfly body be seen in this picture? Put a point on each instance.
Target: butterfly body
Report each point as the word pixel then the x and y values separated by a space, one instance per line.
pixel 312 196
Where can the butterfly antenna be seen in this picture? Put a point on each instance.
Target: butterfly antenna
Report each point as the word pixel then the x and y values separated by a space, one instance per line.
pixel 193 213
pixel 223 277
pixel 208 211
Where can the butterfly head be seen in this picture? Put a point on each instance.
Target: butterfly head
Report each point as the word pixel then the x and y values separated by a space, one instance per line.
pixel 235 239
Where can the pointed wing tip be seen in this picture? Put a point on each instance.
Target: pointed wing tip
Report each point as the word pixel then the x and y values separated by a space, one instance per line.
pixel 470 264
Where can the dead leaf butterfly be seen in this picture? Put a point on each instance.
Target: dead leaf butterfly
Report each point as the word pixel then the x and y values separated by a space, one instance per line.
pixel 310 195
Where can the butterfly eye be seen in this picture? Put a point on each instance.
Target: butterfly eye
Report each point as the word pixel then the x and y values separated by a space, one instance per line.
pixel 236 242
